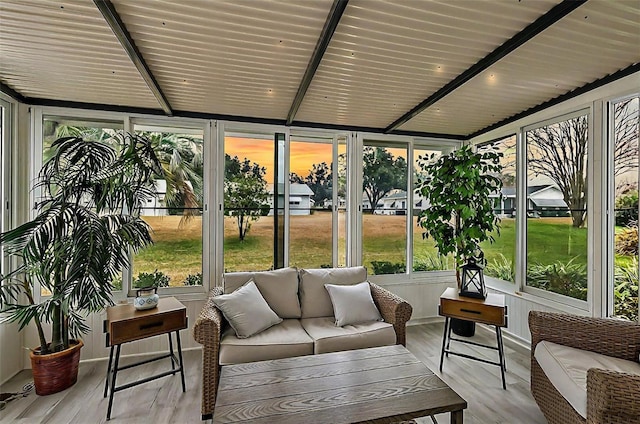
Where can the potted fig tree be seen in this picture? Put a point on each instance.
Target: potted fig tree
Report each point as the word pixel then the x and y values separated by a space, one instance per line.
pixel 85 226
pixel 460 212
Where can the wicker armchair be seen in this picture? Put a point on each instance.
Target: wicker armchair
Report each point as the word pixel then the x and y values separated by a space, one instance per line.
pixel 612 397
pixel 211 324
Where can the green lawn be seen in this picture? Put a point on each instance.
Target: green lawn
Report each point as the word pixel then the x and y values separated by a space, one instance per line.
pixel 178 250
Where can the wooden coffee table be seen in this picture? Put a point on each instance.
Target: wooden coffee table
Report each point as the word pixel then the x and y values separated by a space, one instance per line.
pixel 376 385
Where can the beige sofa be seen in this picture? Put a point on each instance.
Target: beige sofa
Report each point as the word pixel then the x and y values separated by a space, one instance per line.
pixel 308 326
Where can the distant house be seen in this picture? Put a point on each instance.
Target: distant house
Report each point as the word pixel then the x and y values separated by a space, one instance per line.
pixel 542 200
pixel 394 203
pixel 156 206
pixel 300 201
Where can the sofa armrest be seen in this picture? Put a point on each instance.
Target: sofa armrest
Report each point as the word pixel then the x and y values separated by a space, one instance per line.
pixel 208 326
pixel 207 331
pixel 394 310
pixel 620 339
pixel 612 397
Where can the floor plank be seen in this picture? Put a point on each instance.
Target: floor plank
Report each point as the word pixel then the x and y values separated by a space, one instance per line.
pixel 162 401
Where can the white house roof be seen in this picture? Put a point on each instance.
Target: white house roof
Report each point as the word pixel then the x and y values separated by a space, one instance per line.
pixel 295 189
pixel 161 186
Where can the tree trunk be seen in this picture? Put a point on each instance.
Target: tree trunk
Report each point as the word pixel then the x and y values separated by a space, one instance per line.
pixel 56 332
pixel 44 348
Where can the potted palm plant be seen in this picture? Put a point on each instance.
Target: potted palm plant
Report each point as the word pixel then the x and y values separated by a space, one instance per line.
pixel 460 213
pixel 87 223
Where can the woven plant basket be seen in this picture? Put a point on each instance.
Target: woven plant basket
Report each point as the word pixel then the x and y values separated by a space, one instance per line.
pixel 55 372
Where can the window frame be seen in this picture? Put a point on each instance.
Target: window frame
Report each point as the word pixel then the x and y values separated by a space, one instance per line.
pixel 521 210
pixel 39 113
pixel 608 169
pixel 171 123
pixel 7 116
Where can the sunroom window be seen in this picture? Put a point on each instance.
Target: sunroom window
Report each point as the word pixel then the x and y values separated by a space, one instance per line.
pixel 175 214
pixel 625 130
pixel 556 211
pixel 501 254
pixel 385 196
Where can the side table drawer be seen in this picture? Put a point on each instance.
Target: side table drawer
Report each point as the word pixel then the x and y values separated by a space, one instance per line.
pixel 474 312
pixel 147 326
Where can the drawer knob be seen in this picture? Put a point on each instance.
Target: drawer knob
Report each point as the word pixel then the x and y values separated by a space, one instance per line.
pixel 471 311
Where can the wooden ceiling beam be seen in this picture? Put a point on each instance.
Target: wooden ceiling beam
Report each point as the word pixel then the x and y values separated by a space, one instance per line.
pixel 536 27
pixel 122 34
pixel 337 9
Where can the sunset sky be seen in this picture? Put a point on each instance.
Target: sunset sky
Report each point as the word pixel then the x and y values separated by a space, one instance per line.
pixel 303 155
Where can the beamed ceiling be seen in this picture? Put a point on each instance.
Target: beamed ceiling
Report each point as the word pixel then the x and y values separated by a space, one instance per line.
pixel 455 68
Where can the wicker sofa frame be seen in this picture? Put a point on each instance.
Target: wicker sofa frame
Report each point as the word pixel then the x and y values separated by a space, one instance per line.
pixel 211 324
pixel 612 397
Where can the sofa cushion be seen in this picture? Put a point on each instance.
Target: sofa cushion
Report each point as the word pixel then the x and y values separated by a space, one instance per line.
pixel 566 368
pixel 353 304
pixel 246 310
pixel 279 288
pixel 329 338
pixel 280 341
pixel 314 299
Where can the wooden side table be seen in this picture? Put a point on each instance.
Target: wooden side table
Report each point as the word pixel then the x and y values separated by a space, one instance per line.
pixel 491 311
pixel 125 324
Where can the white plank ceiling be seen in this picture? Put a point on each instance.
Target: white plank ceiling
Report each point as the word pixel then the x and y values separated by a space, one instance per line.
pixel 247 58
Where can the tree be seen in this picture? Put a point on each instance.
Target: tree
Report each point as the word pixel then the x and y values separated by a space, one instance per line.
pixel 559 151
pixel 460 214
pixel 320 182
pixel 180 155
pixel 182 161
pixel 245 192
pixel 627 132
pixel 382 172
pixel 295 178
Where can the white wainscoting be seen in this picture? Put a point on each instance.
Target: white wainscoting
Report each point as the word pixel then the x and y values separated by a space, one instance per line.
pixel 10 351
pixel 422 295
pixel 518 308
pixel 94 342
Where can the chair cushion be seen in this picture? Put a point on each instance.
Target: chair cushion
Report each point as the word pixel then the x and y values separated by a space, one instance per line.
pixel 329 338
pixel 280 341
pixel 566 368
pixel 314 299
pixel 353 304
pixel 279 288
pixel 246 310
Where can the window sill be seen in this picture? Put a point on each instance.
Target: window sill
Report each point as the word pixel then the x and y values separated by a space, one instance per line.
pixel 509 289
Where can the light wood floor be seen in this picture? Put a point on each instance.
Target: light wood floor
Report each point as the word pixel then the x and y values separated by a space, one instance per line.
pixel 162 401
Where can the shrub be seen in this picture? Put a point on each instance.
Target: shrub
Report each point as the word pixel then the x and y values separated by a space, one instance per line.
pixel 627 241
pixel 153 279
pixel 116 283
pixel 386 267
pixel 626 290
pixel 569 279
pixel 627 208
pixel 193 280
pixel 501 268
pixel 431 263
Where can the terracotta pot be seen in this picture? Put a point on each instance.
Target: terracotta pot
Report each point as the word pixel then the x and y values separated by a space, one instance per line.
pixel 55 372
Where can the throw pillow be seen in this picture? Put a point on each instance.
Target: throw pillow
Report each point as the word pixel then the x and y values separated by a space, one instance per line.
pixel 353 304
pixel 246 310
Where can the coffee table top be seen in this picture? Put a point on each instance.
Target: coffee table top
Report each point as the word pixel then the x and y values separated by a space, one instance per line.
pixel 381 384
